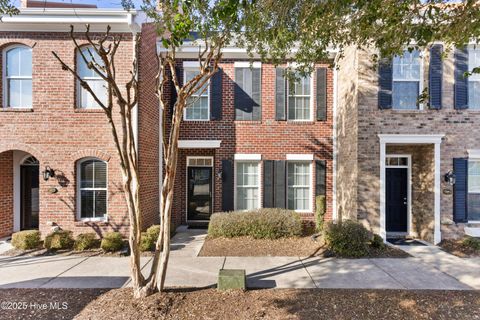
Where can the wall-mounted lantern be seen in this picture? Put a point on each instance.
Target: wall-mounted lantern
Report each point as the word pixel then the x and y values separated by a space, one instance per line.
pixel 450 177
pixel 48 173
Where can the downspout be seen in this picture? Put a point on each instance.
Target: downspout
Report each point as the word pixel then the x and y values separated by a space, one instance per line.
pixel 134 29
pixel 334 178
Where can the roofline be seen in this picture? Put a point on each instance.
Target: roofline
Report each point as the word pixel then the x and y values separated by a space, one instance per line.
pixel 59 20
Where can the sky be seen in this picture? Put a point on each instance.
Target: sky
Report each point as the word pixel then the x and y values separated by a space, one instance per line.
pixel 99 3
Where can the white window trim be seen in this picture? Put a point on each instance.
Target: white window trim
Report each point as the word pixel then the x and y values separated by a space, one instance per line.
pixel 300 157
pixel 5 79
pixel 247 157
pixel 474 154
pixel 195 66
pixel 310 195
pixel 247 64
pixel 199 144
pixel 312 90
pixel 420 86
pixel 79 88
pixel 79 189
pixel 260 190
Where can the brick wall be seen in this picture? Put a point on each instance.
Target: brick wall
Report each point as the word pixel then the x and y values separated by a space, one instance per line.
pixel 58 134
pixel 6 190
pixel 268 137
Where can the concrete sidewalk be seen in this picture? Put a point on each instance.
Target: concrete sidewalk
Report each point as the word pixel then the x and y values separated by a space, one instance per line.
pixel 186 269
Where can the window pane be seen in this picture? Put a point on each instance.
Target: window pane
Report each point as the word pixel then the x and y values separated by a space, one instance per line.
pixel 247 185
pixel 197 108
pixel 87 203
pixel 407 67
pixel 405 94
pixel 83 70
pixel 100 203
pixel 100 174
pixel 19 62
pixel 299 99
pixel 473 62
pixel 474 94
pixel 474 176
pixel 298 179
pixel 86 174
pixel 99 88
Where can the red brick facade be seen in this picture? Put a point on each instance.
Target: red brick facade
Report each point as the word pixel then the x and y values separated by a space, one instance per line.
pixel 58 134
pixel 268 137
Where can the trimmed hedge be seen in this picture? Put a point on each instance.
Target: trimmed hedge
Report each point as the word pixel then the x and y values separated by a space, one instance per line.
pixel 471 242
pixel 26 240
pixel 59 240
pixel 347 238
pixel 112 241
pixel 377 242
pixel 268 223
pixel 149 238
pixel 86 241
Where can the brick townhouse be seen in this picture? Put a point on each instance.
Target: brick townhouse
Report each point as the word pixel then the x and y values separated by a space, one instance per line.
pixel 254 139
pixel 410 167
pixel 58 163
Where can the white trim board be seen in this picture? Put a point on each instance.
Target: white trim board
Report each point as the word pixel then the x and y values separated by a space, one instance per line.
pixel 299 157
pixel 247 64
pixel 474 153
pixel 199 144
pixel 247 157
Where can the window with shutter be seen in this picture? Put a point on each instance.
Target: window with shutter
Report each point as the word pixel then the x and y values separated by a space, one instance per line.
pixel 300 99
pixel 474 79
pixel 247 185
pixel 474 190
pixel 247 92
pixel 92 189
pixel 299 190
pixel 406 77
pixel 198 108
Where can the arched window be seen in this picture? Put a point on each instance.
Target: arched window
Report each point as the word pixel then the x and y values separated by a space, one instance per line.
pixel 95 81
pixel 92 189
pixel 18 77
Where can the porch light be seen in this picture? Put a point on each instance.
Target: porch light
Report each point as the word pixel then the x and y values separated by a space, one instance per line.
pixel 450 177
pixel 48 173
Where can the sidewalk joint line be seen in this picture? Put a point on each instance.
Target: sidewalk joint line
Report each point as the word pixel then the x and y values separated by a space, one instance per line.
pixel 68 269
pixel 394 279
pixel 308 272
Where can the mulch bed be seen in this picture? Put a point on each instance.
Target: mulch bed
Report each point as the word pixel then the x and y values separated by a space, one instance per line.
pixel 44 252
pixel 255 304
pixel 285 247
pixel 457 248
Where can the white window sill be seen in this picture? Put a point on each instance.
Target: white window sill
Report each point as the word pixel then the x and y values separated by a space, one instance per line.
pixel 93 220
pixel 196 120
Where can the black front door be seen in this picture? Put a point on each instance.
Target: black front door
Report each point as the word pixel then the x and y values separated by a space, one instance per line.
pixel 199 197
pixel 29 197
pixel 397 199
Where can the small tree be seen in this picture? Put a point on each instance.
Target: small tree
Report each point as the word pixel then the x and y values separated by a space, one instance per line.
pixel 214 23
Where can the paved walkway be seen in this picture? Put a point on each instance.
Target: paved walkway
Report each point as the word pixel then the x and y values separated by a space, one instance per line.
pixel 427 269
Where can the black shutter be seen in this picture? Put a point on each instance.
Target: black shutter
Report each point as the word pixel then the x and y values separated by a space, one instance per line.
pixel 280 187
pixel 320 177
pixel 280 94
pixel 322 94
pixel 216 95
pixel 173 91
pixel 461 82
pixel 227 185
pixel 385 84
pixel 460 190
pixel 436 76
pixel 247 93
pixel 268 184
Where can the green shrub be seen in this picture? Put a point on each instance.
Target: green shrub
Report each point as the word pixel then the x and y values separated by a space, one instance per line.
pixel 347 238
pixel 472 242
pixel 149 238
pixel 259 224
pixel 59 240
pixel 86 241
pixel 377 242
pixel 26 240
pixel 112 241
pixel 321 209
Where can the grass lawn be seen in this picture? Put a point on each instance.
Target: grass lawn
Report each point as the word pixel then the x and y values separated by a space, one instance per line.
pixel 255 304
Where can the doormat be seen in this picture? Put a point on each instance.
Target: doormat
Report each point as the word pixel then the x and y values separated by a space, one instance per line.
pixel 405 242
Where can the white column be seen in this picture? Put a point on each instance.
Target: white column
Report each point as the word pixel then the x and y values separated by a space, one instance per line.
pixel 383 232
pixel 437 237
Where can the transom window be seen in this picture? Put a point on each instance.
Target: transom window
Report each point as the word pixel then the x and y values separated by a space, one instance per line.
pixel 474 79
pixel 247 185
pixel 95 81
pixel 406 80
pixel 92 189
pixel 198 103
pixel 200 162
pixel 299 99
pixel 299 191
pixel 392 161
pixel 18 77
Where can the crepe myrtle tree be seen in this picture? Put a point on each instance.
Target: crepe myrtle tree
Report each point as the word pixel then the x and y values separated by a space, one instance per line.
pixel 214 23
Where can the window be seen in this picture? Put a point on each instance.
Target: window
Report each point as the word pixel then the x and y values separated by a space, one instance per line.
pixel 247 185
pixel 92 189
pixel 18 77
pixel 299 99
pixel 248 87
pixel 406 80
pixel 299 186
pixel 197 104
pixel 474 190
pixel 474 79
pixel 96 83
